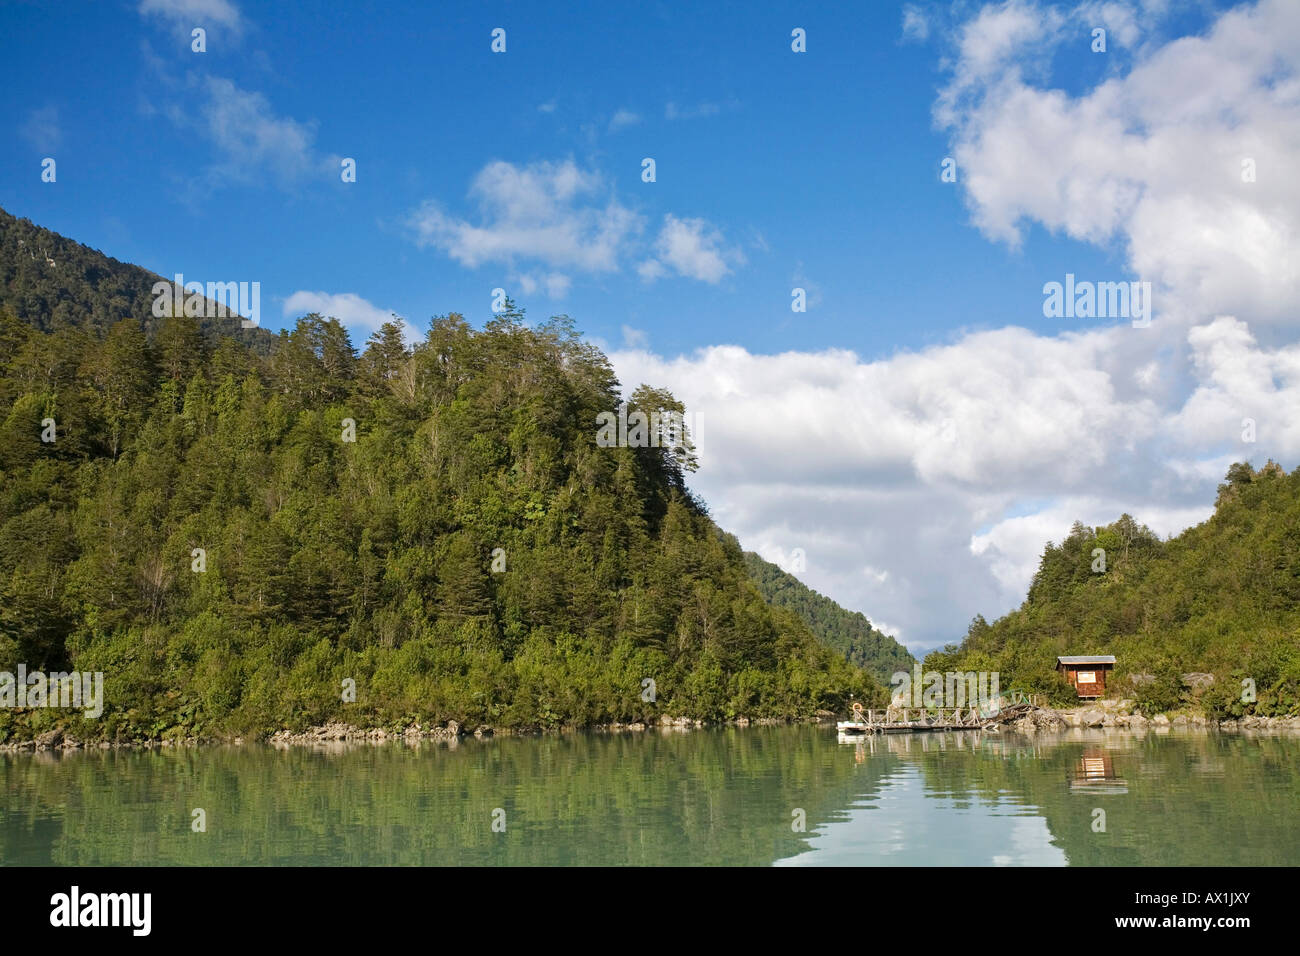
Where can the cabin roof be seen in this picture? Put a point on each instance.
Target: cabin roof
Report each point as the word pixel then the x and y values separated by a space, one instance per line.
pixel 1087 659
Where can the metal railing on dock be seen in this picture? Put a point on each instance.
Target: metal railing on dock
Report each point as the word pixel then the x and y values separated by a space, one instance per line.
pixel 1008 706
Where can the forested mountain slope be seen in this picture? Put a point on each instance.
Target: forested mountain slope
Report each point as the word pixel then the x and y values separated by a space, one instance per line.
pixel 53 283
pixel 1221 598
pixel 234 538
pixel 849 632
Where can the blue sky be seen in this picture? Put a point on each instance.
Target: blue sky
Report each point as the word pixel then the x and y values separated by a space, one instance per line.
pixel 922 429
pixel 820 169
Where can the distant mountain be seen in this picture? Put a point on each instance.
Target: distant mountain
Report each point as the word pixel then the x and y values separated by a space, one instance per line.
pixel 848 632
pixel 51 282
pixel 1222 598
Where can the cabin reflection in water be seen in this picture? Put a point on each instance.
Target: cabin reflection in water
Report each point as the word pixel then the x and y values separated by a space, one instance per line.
pixel 1095 773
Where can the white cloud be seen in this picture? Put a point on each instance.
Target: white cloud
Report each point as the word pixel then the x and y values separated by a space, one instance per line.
pixel 555 284
pixel 634 338
pixel 187 14
pixel 1112 164
pixel 953 465
pixel 547 107
pixel 915 25
pixel 950 467
pixel 897 633
pixel 1238 380
pixel 693 248
pixel 651 269
pixel 251 143
pixel 993 48
pixel 362 318
pixel 559 216
pixel 1119 20
pixel 1011 548
pixel 42 129
pixel 552 213
pixel 622 119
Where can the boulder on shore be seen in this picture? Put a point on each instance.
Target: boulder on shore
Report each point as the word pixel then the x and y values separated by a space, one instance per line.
pixel 1092 717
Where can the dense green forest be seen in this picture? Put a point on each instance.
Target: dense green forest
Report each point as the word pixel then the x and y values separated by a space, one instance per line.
pixel 1221 598
pixel 849 632
pixel 232 534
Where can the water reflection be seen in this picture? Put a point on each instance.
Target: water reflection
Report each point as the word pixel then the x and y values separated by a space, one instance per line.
pixel 1095 773
pixel 705 797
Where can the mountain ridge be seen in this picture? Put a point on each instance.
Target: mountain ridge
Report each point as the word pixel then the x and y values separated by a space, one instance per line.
pixel 1221 598
pixel 849 632
pixel 241 529
pixel 52 282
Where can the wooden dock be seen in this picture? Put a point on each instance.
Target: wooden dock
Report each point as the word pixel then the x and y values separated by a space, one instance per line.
pixel 907 720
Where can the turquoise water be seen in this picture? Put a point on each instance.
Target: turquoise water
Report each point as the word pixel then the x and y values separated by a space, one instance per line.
pixel 727 796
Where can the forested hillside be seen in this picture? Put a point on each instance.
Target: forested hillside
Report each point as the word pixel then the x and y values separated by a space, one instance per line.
pixel 1222 598
pixel 849 632
pixel 56 284
pixel 232 538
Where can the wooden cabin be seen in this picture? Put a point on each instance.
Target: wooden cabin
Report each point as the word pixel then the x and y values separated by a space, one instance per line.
pixel 1087 674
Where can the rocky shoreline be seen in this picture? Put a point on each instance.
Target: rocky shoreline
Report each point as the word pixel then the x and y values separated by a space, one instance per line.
pixel 1120 714
pixel 338 732
pixel 1101 715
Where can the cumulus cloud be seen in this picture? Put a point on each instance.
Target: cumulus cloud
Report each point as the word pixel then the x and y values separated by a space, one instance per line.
pixel 550 213
pixel 693 248
pixel 1112 164
pixel 362 318
pixel 951 467
pixel 1011 548
pixel 545 218
pixel 1237 380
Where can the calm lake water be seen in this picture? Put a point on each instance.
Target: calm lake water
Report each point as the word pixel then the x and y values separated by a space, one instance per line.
pixel 724 796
